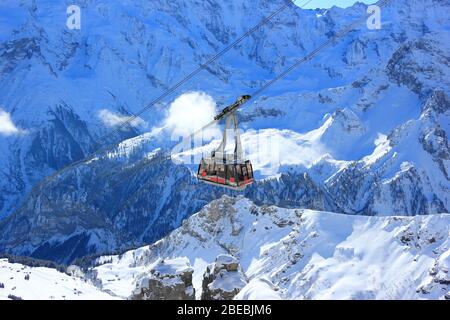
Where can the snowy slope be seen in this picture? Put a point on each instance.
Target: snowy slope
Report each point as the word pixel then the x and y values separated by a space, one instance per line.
pixel 301 254
pixel 407 172
pixel 39 283
pixel 284 253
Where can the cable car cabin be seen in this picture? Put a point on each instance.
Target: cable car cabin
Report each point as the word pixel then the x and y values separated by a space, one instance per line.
pixel 235 176
pixel 228 170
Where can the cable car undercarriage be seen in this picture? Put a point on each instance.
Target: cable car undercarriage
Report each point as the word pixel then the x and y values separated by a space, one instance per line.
pixel 227 170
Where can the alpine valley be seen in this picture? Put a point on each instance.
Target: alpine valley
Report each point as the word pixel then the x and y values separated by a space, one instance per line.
pixel 353 206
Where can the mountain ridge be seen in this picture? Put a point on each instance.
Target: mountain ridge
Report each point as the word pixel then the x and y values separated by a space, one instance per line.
pixel 297 253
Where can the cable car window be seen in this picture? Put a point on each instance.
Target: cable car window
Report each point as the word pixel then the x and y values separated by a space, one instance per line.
pixel 249 168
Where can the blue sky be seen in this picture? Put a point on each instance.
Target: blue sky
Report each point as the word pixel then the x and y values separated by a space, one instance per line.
pixel 329 3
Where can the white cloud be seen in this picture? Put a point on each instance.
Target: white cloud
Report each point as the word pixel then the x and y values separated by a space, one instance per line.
pixel 190 112
pixel 112 119
pixel 7 126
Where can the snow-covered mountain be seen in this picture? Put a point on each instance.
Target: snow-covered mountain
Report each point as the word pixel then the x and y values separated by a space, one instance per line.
pixel 300 253
pixel 18 281
pixel 233 248
pixel 361 129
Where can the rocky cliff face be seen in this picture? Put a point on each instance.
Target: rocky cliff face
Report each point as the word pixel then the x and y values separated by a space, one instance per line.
pixel 414 184
pixel 266 252
pixel 168 280
pixel 223 280
pixel 363 129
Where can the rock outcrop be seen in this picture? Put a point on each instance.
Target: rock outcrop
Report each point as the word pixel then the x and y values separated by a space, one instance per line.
pixel 223 279
pixel 168 280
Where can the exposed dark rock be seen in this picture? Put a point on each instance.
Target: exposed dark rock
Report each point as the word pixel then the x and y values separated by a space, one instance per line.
pixel 169 280
pixel 223 280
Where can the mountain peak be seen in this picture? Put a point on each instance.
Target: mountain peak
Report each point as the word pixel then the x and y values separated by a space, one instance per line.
pixel 289 249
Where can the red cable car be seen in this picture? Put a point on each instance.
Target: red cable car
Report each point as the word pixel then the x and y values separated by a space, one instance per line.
pixel 227 170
